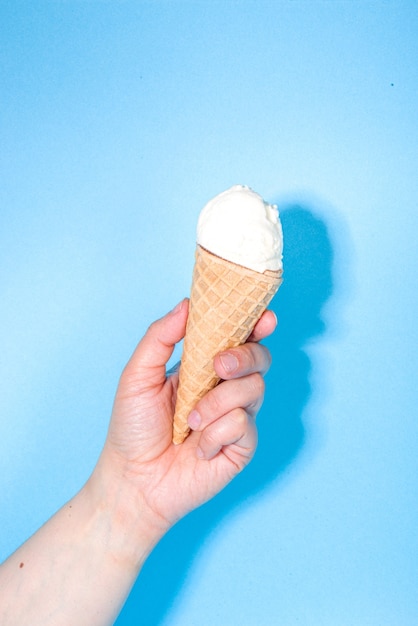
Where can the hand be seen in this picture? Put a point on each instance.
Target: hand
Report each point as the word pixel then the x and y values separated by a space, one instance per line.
pixel 141 485
pixel 164 481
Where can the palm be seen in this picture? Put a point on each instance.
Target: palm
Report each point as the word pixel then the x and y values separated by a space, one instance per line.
pixel 141 433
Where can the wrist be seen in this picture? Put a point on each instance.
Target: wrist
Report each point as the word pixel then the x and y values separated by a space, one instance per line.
pixel 130 528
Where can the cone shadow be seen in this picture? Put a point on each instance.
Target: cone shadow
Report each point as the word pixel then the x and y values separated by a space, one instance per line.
pixel 307 286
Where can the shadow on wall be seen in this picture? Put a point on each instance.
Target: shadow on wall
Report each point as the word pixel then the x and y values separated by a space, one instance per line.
pixel 307 286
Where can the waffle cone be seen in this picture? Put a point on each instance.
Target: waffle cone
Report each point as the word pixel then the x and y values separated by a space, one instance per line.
pixel 226 301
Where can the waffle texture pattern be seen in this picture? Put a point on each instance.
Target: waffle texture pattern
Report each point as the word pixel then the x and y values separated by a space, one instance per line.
pixel 226 301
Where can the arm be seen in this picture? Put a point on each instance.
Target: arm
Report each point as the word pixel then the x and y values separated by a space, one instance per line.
pixel 80 566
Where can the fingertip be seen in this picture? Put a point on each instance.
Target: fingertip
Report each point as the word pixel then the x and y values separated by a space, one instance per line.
pixel 181 306
pixel 157 345
pixel 275 320
pixel 265 326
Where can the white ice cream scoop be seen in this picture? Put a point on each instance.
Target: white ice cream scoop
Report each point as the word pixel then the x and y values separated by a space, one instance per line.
pixel 239 226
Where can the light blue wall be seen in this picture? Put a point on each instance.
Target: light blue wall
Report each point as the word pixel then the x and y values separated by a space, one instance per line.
pixel 118 121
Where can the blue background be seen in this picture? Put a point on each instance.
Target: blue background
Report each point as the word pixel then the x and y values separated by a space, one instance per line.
pixel 118 121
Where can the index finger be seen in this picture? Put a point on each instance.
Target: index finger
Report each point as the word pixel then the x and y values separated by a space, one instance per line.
pixel 265 326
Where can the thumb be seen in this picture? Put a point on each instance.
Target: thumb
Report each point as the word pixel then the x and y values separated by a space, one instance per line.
pixel 157 345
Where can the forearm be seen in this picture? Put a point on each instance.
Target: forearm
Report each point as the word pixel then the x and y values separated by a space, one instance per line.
pixel 80 566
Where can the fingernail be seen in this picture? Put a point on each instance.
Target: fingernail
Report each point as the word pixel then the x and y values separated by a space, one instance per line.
pixel 177 308
pixel 199 453
pixel 275 316
pixel 194 420
pixel 229 362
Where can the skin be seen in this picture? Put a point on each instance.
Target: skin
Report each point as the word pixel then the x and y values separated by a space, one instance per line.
pixel 80 566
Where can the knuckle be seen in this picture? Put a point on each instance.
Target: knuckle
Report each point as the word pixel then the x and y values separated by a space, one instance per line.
pixel 268 358
pixel 257 358
pixel 240 418
pixel 210 439
pixel 257 385
pixel 152 328
pixel 264 356
pixel 211 404
pixel 250 356
pixel 128 382
pixel 129 374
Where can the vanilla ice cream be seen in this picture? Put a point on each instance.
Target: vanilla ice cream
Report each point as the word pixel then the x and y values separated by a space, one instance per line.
pixel 239 226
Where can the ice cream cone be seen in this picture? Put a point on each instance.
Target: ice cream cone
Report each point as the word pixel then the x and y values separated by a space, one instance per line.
pixel 226 301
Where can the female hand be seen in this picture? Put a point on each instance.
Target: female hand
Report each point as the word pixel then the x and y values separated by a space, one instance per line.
pixel 158 478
